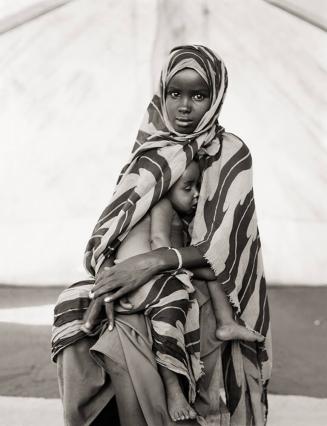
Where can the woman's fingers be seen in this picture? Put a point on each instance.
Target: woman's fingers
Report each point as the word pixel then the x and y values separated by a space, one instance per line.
pixel 110 314
pixel 125 303
pixel 107 282
pixel 98 292
pixel 123 277
pixel 119 293
pixel 91 316
pixel 103 286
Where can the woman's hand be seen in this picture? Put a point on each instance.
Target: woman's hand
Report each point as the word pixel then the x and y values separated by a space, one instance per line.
pixel 92 315
pixel 125 276
pixel 132 273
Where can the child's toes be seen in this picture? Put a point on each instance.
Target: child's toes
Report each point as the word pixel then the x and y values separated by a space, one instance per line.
pixel 179 416
pixel 174 417
pixel 185 415
pixel 191 413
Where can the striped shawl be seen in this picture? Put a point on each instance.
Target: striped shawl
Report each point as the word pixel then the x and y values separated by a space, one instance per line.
pixel 224 228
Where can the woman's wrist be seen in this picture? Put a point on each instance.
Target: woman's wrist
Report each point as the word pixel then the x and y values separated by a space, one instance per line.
pixel 163 259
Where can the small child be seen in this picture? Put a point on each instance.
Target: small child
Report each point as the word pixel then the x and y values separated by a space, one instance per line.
pixel 163 227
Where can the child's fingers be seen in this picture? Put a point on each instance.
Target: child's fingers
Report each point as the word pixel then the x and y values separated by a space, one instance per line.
pixel 109 306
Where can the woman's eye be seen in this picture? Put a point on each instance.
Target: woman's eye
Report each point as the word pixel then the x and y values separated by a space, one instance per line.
pixel 198 97
pixel 174 94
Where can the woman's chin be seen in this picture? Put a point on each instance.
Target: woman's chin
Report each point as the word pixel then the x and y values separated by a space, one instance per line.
pixel 186 129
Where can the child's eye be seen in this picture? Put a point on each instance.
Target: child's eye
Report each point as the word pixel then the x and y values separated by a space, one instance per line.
pixel 187 188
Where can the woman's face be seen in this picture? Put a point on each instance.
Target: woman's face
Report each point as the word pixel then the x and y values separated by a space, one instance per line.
pixel 187 100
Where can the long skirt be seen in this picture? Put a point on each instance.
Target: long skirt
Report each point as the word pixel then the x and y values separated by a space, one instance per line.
pixel 84 371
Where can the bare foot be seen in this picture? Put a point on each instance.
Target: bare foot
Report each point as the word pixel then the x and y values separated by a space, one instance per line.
pixel 178 407
pixel 235 331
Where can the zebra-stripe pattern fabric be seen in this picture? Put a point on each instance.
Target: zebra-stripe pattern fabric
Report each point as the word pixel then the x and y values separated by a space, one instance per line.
pixel 173 312
pixel 169 304
pixel 224 227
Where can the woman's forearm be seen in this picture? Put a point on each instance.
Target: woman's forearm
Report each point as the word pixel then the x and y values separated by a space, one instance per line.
pixel 163 259
pixel 132 273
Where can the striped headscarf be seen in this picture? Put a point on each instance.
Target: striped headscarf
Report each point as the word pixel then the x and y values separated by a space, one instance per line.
pixel 156 125
pixel 225 225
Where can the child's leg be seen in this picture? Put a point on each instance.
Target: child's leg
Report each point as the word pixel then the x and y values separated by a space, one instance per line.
pixel 227 327
pixel 178 407
pixel 167 315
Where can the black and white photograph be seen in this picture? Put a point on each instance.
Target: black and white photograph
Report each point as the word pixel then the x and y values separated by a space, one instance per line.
pixel 163 221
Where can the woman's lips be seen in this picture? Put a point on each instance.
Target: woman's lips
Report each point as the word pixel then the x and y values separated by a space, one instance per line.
pixel 183 122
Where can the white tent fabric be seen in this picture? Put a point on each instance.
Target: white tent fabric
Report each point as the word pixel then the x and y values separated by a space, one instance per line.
pixel 74 85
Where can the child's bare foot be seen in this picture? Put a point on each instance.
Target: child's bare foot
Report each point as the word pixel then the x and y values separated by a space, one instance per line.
pixel 178 407
pixel 235 331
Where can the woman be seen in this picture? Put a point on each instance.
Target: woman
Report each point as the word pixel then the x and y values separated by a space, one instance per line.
pixel 224 235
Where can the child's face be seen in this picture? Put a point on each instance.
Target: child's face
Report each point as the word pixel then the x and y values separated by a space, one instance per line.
pixel 187 100
pixel 184 193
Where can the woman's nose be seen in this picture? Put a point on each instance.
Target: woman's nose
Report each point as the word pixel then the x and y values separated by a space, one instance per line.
pixel 184 105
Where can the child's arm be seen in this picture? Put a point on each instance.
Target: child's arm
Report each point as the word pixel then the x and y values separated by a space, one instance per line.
pixel 204 273
pixel 161 218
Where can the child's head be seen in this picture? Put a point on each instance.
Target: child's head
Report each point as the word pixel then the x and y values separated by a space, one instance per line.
pixel 187 100
pixel 184 194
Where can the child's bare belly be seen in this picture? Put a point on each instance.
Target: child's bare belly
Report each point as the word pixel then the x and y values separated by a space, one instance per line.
pixel 137 241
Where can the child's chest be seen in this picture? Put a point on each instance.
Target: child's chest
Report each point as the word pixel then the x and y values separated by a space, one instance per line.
pixel 176 231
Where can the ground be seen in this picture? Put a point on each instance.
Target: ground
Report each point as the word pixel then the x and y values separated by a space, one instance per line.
pixel 299 324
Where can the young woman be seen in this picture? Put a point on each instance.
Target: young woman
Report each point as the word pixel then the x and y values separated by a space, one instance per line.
pixel 181 122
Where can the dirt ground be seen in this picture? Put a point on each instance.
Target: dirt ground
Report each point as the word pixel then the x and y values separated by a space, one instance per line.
pixel 299 326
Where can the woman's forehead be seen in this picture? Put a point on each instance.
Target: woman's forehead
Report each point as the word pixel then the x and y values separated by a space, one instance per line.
pixel 188 78
pixel 186 62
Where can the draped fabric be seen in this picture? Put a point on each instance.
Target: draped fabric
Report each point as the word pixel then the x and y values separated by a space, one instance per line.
pixel 224 228
pixel 173 314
